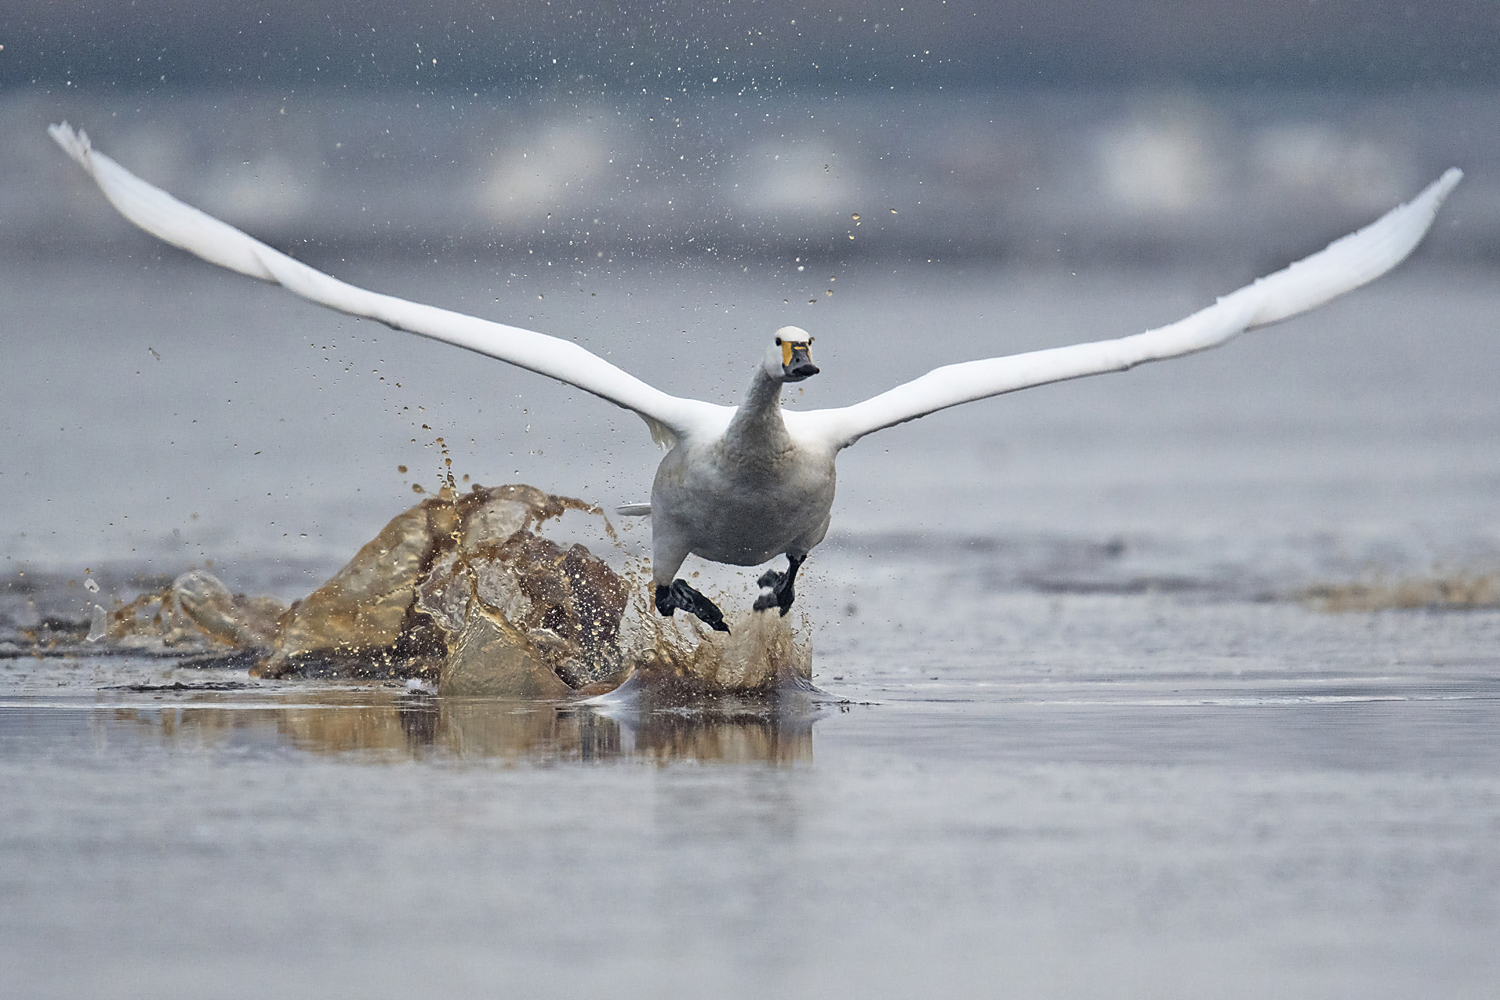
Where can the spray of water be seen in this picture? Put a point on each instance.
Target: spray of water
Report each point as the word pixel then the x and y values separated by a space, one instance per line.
pixel 466 592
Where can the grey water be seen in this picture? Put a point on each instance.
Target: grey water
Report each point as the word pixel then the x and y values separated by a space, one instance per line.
pixel 1082 733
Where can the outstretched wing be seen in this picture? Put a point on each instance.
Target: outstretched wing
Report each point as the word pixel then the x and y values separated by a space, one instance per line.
pixel 198 233
pixel 1342 266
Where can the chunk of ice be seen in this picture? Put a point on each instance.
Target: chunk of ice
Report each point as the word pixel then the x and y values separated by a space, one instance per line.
pixel 98 623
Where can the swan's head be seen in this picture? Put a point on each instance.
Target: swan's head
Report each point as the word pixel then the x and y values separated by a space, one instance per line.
pixel 789 358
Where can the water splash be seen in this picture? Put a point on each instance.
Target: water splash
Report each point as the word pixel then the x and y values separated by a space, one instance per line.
pixel 466 592
pixel 760 653
pixel 195 613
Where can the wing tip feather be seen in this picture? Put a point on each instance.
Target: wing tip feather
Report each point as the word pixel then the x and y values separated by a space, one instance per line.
pixel 75 144
pixel 1422 211
pixel 1446 183
pixel 1431 198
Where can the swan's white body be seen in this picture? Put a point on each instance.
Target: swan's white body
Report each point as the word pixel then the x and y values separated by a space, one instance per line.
pixel 742 485
pixel 756 487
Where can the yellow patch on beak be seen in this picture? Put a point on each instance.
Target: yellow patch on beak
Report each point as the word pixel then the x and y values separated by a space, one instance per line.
pixel 786 353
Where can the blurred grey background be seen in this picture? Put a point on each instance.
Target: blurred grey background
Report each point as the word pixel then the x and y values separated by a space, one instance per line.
pixel 397 44
pixel 667 183
pixel 1066 131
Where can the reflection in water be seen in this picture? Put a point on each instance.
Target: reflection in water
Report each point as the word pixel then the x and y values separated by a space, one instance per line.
pixel 412 724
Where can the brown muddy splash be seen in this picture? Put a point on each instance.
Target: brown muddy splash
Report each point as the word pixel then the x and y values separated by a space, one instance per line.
pixel 440 580
pixel 465 590
pixel 196 612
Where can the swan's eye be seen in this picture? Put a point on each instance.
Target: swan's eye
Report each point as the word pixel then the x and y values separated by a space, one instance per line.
pixel 809 341
pixel 778 341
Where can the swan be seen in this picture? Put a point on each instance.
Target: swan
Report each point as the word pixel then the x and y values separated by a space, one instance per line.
pixel 743 485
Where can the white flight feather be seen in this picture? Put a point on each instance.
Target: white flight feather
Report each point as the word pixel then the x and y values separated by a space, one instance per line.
pixel 157 212
pixel 1342 266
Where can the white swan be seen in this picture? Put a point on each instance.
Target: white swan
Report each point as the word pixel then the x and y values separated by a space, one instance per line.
pixel 744 484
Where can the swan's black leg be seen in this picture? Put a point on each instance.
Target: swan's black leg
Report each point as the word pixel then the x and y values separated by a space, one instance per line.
pixel 680 595
pixel 782 595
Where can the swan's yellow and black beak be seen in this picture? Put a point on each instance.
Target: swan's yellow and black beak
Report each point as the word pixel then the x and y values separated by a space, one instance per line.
pixel 796 359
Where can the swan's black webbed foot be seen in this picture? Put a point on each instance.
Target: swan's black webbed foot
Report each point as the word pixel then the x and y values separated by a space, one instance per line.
pixel 780 585
pixel 680 595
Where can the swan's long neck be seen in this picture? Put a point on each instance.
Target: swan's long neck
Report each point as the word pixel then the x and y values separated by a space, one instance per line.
pixel 757 427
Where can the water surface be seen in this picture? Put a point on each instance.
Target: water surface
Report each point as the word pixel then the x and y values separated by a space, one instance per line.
pixel 1082 736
